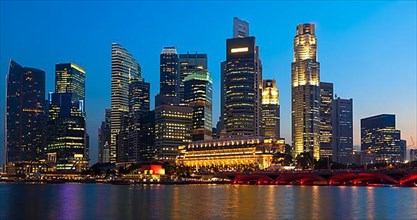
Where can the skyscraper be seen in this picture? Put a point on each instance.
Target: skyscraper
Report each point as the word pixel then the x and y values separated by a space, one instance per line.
pixel 305 93
pixel 379 137
pixel 104 139
pixel 240 28
pixel 326 109
pixel 172 129
pixel 169 77
pixel 25 113
pixel 242 81
pixel 124 68
pixel 198 96
pixel 342 139
pixel 189 63
pixel 70 78
pixel 270 117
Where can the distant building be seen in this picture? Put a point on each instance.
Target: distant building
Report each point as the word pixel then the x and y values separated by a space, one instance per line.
pixel 220 124
pixel 381 138
pixel 198 96
pixel 147 145
pixel 242 81
pixel 270 114
pixel 232 152
pixel 189 63
pixel 413 154
pixel 104 139
pixel 305 71
pixel 124 68
pixel 240 28
pixel 25 113
pixel 172 129
pixel 70 78
pixel 342 130
pixel 326 110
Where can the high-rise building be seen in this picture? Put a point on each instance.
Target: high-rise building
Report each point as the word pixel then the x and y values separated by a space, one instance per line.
pixel 104 139
pixel 198 96
pixel 189 63
pixel 25 113
pixel 326 109
pixel 380 138
pixel 124 68
pixel 240 28
pixel 242 81
pixel 305 93
pixel 67 138
pixel 70 78
pixel 270 117
pixel 147 145
pixel 342 139
pixel 169 77
pixel 172 129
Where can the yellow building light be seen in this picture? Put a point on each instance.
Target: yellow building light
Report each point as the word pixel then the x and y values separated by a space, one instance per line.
pixel 239 50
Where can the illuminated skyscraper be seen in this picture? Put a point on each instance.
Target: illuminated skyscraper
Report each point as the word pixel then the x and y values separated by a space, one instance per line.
pixel 242 81
pixel 270 117
pixel 305 93
pixel 124 68
pixel 379 137
pixel 25 113
pixel 189 63
pixel 70 78
pixel 198 96
pixel 326 109
pixel 169 77
pixel 342 139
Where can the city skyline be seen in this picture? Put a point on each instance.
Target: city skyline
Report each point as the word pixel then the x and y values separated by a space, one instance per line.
pixel 280 70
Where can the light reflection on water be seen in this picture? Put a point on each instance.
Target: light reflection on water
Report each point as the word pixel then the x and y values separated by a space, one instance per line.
pixel 90 201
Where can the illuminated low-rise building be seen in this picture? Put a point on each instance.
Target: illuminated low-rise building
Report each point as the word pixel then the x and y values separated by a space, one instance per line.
pixel 257 151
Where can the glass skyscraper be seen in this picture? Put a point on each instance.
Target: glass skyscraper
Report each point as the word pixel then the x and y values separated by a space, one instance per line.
pixel 305 93
pixel 169 77
pixel 104 139
pixel 25 113
pixel 70 78
pixel 124 68
pixel 189 63
pixel 326 111
pixel 270 117
pixel 342 130
pixel 198 96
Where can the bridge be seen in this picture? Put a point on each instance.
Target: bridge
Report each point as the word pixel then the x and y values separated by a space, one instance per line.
pixel 398 177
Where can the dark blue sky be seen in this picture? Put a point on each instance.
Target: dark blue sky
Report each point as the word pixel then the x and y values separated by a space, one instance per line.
pixel 367 48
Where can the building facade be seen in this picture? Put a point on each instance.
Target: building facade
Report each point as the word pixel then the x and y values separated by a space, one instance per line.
pixel 124 68
pixel 25 113
pixel 189 63
pixel 326 111
pixel 380 137
pixel 305 93
pixel 70 78
pixel 169 77
pixel 104 139
pixel 242 81
pixel 172 129
pixel 270 117
pixel 342 130
pixel 233 152
pixel 240 28
pixel 198 96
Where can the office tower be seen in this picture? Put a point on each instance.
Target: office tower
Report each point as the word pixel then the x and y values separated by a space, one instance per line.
pixel 342 130
pixel 198 96
pixel 270 117
pixel 70 78
pixel 172 129
pixel 25 113
pixel 124 68
pixel 169 77
pixel 189 63
pixel 305 79
pixel 220 123
pixel 326 108
pixel 104 139
pixel 147 145
pixel 67 137
pixel 379 137
pixel 240 28
pixel 243 79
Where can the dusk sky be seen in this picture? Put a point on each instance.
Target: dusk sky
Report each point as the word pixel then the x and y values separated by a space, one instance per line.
pixel 367 48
